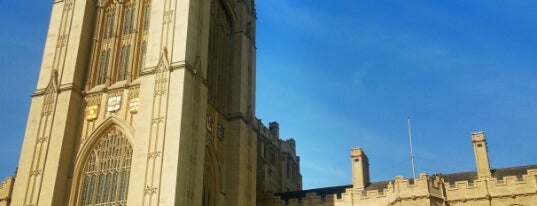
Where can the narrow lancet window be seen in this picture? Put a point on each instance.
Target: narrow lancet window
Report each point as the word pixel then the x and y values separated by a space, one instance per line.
pixel 103 67
pixel 142 58
pixel 120 46
pixel 129 21
pixel 123 63
pixel 109 26
pixel 146 17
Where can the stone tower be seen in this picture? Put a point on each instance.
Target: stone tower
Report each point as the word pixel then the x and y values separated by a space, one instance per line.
pixel 360 169
pixel 479 143
pixel 143 102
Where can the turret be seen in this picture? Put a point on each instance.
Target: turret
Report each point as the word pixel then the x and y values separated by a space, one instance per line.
pixel 479 144
pixel 274 128
pixel 360 169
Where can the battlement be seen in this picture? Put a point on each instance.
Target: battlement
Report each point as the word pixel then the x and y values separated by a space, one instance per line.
pixel 387 192
pixel 6 189
pixel 266 131
pixel 261 128
pixel 424 189
pixel 505 186
pixel 529 177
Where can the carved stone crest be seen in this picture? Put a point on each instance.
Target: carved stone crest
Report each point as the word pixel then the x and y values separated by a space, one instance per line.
pixel 114 103
pixel 210 123
pixel 92 112
pixel 133 105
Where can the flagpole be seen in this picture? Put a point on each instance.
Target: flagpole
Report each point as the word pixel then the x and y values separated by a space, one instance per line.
pixel 411 151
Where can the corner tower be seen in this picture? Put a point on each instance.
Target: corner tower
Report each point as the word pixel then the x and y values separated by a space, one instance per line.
pixel 143 102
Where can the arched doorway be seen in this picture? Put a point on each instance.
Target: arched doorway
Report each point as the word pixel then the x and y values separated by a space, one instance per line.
pixel 211 178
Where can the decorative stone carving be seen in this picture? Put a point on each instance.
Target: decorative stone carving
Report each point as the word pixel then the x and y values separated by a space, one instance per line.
pixel 114 103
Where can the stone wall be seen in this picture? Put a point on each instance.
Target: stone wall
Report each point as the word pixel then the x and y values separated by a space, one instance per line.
pixel 428 191
pixel 6 189
pixel 510 190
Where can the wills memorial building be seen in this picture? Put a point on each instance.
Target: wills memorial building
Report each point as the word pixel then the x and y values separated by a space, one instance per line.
pixel 148 102
pixel 152 103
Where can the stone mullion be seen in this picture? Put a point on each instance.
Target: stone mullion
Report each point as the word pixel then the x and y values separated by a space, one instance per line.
pixel 136 40
pixel 127 41
pixel 115 45
pixel 141 36
pixel 133 47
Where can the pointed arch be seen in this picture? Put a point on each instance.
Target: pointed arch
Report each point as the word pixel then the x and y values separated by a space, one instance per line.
pixel 229 11
pixel 53 83
pixel 163 62
pixel 211 177
pixel 219 58
pixel 104 161
pixel 107 124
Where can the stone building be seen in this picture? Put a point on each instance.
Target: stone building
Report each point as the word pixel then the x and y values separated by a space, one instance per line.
pixel 144 102
pixel 6 188
pixel 515 186
pixel 277 162
pixel 152 102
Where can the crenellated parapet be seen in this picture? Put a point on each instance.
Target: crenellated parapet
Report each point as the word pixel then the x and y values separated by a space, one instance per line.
pixel 6 189
pixel 483 187
pixel 400 190
pixel 424 190
pixel 502 190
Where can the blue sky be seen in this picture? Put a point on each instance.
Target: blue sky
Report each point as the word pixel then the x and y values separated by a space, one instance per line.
pixel 347 73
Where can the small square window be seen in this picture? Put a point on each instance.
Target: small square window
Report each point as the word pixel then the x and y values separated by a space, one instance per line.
pixel 356 160
pixel 479 145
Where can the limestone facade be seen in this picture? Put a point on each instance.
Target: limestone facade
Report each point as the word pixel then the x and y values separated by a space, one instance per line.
pixel 515 186
pixel 277 162
pixel 152 102
pixel 143 102
pixel 6 188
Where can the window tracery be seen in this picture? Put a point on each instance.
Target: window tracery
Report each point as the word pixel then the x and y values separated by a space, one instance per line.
pixel 103 66
pixel 106 172
pixel 129 21
pixel 124 63
pixel 219 49
pixel 120 39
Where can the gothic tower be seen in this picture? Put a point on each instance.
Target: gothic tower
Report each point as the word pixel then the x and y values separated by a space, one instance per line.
pixel 143 102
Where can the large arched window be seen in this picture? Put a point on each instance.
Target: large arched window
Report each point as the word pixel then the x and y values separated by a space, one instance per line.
pixel 105 176
pixel 120 40
pixel 219 56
